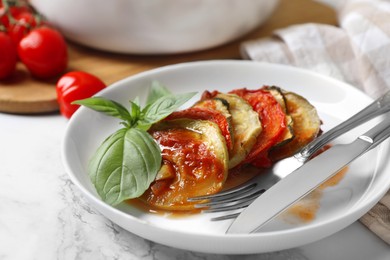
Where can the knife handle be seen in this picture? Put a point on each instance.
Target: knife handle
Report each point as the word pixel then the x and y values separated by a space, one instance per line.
pixel 378 133
pixel 376 108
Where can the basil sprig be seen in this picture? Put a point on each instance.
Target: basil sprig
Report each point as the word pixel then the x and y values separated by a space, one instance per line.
pixel 126 163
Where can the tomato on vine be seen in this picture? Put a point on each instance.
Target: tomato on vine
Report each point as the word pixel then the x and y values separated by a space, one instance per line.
pixel 8 56
pixel 76 85
pixel 42 49
pixel 7 11
pixel 44 52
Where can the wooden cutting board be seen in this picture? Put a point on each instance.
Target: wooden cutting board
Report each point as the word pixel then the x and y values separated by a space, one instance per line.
pixel 25 95
pixel 22 94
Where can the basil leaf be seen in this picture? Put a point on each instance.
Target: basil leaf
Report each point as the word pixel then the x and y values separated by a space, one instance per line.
pixel 157 90
pixel 161 108
pixel 127 162
pixel 125 165
pixel 106 106
pixel 135 111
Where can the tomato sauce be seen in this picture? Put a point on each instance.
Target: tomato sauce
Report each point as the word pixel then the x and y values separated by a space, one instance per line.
pixel 303 211
pixel 196 170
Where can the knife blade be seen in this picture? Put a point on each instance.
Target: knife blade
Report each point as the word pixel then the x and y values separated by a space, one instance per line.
pixel 305 179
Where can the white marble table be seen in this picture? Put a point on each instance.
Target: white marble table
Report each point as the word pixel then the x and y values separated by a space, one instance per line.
pixel 44 217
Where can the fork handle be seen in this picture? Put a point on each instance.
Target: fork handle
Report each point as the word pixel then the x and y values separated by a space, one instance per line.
pixel 376 108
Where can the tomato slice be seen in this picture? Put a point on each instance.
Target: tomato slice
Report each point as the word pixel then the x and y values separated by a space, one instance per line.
pixel 203 113
pixel 273 120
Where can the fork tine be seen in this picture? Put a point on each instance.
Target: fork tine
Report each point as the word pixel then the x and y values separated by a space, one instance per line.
pixel 232 198
pixel 230 205
pixel 224 217
pixel 230 193
pixel 229 208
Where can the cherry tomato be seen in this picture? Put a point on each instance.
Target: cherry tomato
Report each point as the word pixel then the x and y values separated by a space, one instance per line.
pixel 44 52
pixel 8 56
pixel 74 86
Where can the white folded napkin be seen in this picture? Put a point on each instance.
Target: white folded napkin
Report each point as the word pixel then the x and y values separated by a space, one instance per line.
pixel 357 52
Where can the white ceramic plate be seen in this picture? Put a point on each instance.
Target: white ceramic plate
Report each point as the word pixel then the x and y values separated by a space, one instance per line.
pixel 366 181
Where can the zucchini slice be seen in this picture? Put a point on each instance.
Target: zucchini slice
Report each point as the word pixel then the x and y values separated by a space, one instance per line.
pixel 246 127
pixel 306 125
pixel 195 163
pixel 278 95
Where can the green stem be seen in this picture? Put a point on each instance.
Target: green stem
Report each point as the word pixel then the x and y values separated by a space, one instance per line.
pixel 5 5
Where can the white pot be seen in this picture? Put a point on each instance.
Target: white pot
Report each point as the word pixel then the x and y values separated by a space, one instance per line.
pixel 154 26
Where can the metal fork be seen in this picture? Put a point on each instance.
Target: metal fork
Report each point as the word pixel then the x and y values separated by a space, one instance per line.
pixel 241 196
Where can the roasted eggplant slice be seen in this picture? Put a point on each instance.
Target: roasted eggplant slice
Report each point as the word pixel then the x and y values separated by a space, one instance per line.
pixel 195 163
pixel 306 125
pixel 246 127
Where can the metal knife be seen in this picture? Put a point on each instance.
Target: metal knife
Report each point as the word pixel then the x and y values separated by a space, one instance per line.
pixel 305 179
